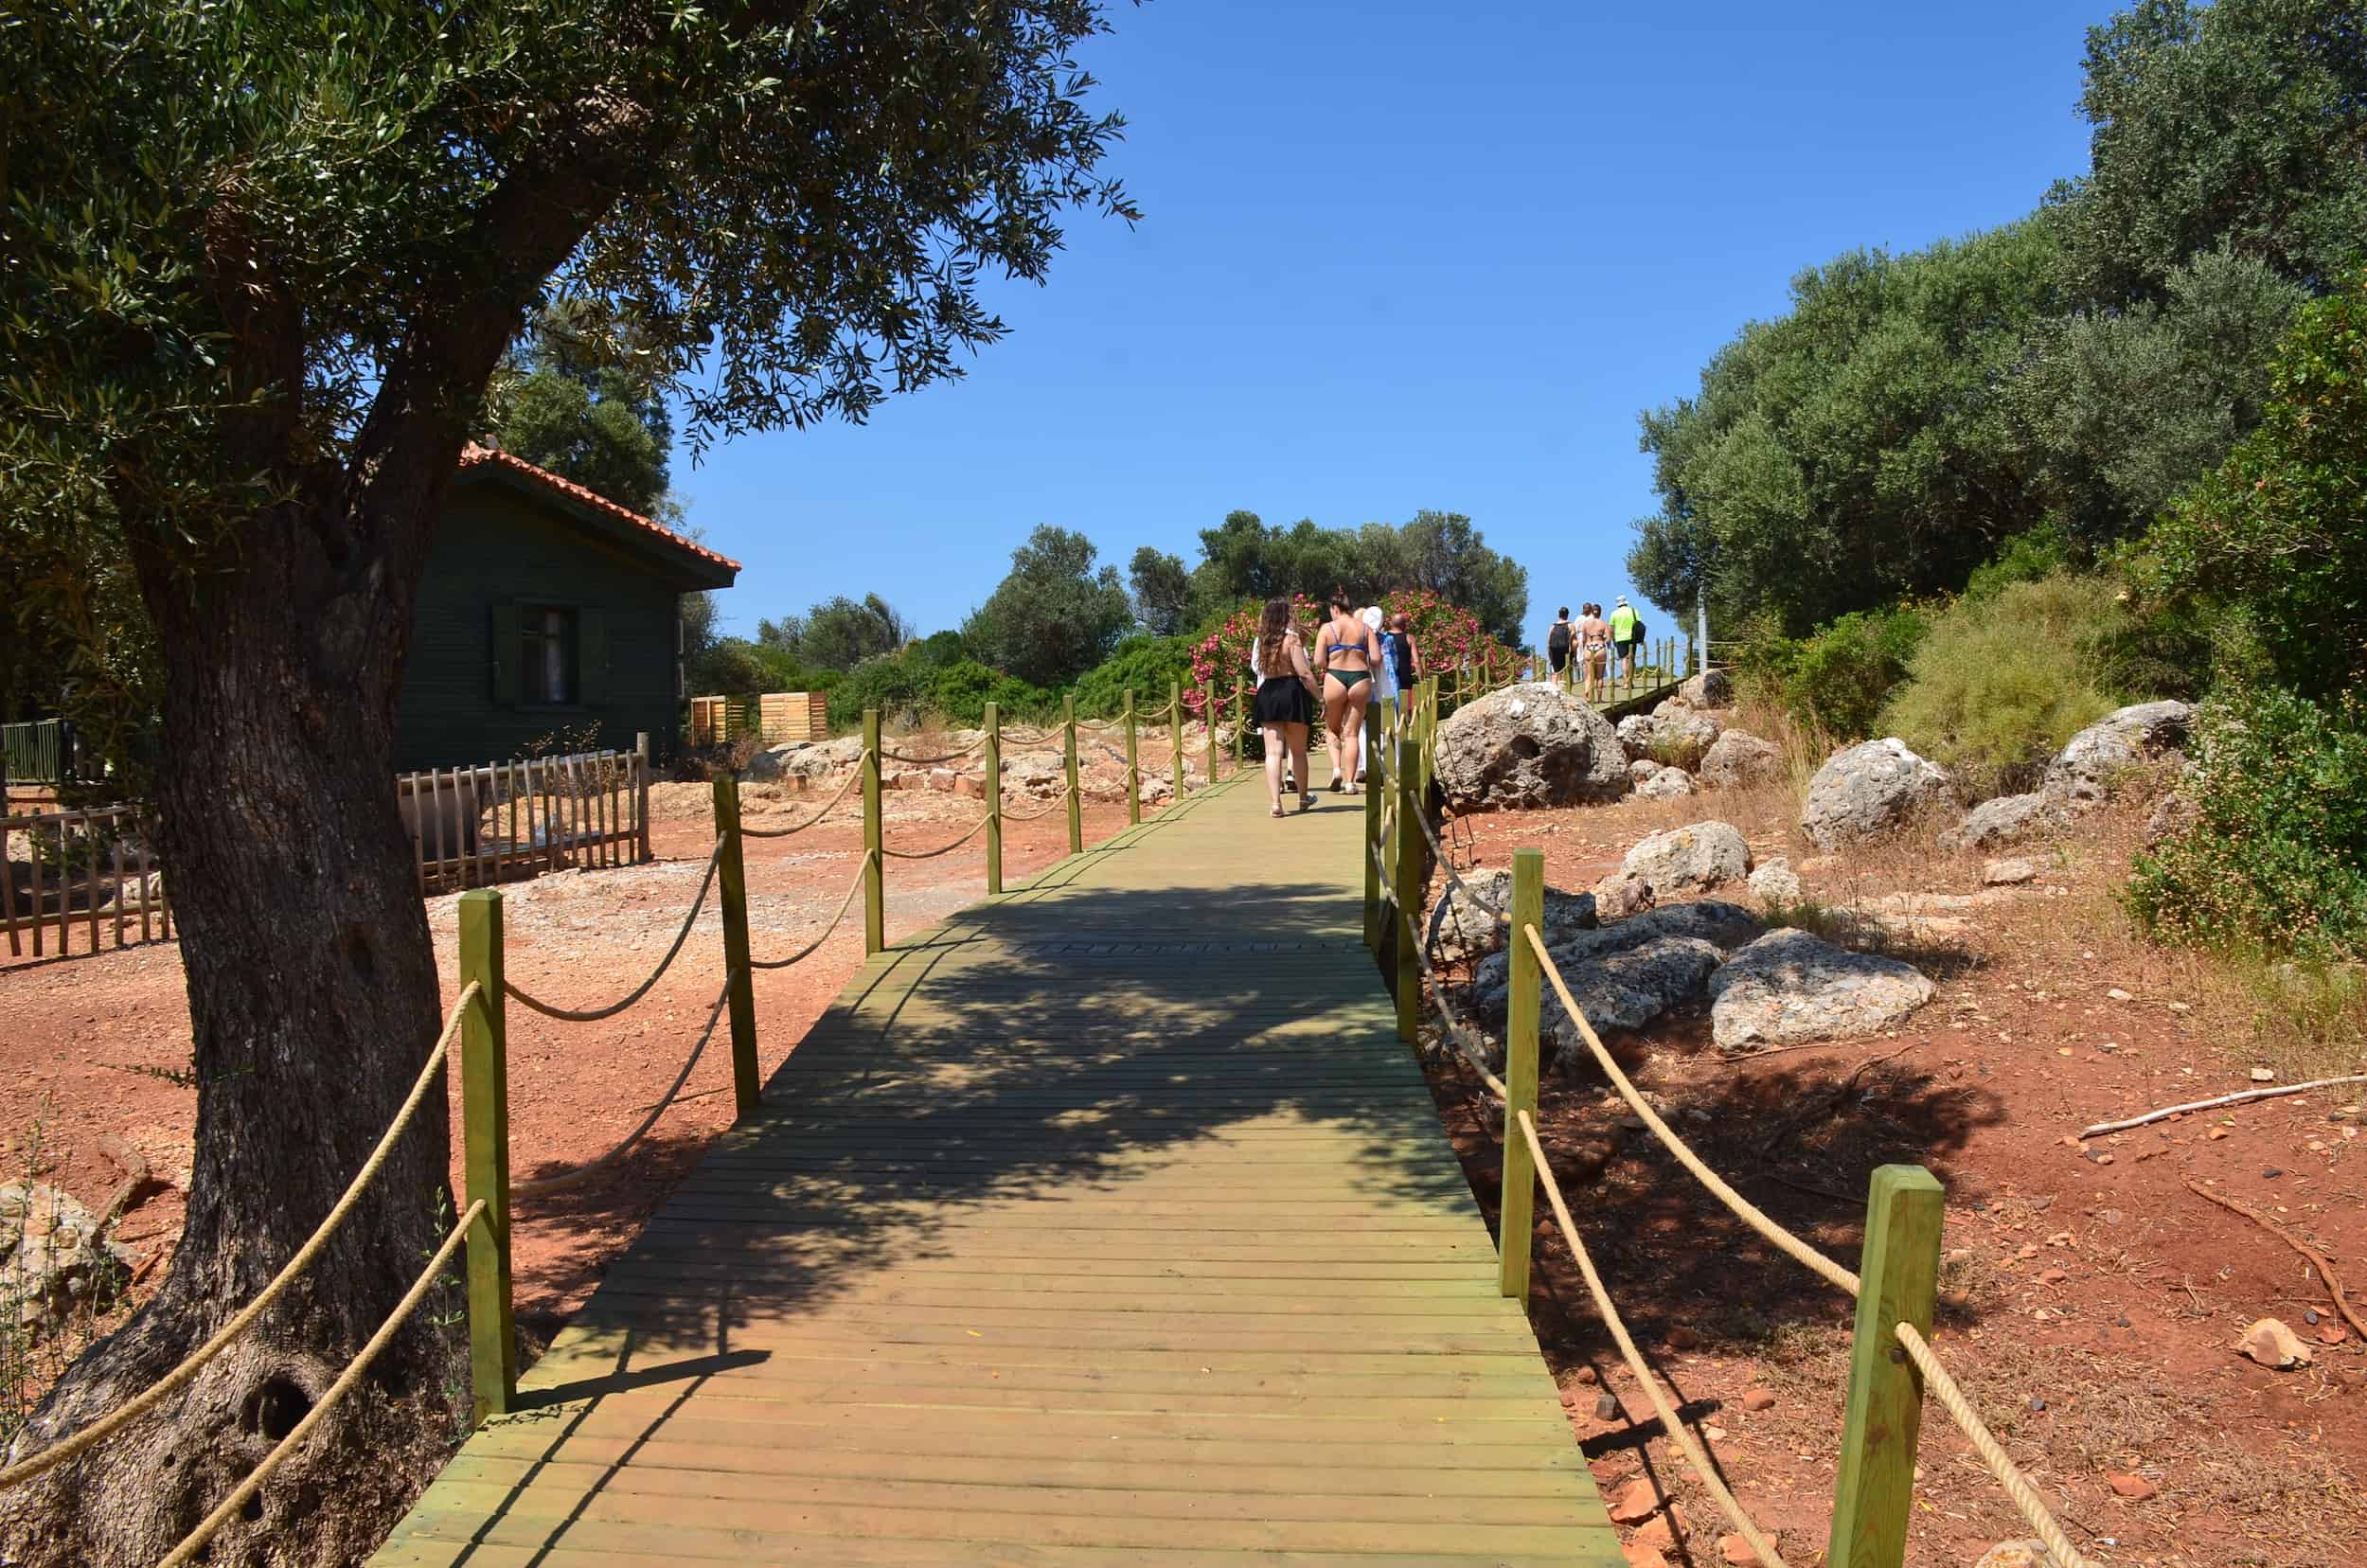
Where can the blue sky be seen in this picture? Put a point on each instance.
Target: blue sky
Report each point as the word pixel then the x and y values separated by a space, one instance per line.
pixel 1397 256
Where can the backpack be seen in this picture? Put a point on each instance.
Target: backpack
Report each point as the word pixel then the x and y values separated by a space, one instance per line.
pixel 1399 653
pixel 1558 640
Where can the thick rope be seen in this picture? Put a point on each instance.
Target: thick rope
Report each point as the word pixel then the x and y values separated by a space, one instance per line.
pixel 971 750
pixel 591 1015
pixel 57 1454
pixel 1437 993
pixel 941 849
pixel 2034 1509
pixel 698 1048
pixel 1668 1419
pixel 1049 802
pixel 853 778
pixel 196 1541
pixel 811 948
pixel 1749 1213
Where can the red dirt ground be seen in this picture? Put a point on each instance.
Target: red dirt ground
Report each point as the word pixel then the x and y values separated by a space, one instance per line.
pixel 2090 1301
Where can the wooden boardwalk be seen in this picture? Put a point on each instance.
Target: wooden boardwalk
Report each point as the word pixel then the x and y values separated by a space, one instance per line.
pixel 1109 1223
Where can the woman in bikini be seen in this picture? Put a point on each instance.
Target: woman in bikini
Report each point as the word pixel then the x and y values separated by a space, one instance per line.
pixel 1286 692
pixel 1346 651
pixel 1595 649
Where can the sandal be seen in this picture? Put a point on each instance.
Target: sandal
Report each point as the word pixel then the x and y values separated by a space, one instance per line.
pixel 1307 801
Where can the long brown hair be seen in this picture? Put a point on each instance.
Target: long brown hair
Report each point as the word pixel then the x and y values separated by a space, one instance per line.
pixel 1272 628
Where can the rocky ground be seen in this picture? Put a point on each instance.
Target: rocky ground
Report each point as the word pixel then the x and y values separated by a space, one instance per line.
pixel 2092 1300
pixel 93 1064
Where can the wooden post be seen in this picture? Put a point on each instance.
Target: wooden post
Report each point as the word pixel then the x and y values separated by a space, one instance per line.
pixel 1900 1267
pixel 1241 726
pixel 1517 1210
pixel 731 885
pixel 1209 717
pixel 993 787
pixel 1068 759
pixel 1175 735
pixel 1133 765
pixel 485 1140
pixel 1374 783
pixel 1404 767
pixel 641 792
pixel 874 863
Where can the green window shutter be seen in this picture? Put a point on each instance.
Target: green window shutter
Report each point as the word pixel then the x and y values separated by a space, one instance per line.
pixel 508 654
pixel 592 657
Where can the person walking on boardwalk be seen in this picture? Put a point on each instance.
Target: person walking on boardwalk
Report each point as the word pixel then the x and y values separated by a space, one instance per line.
pixel 1400 654
pixel 1594 649
pixel 1558 645
pixel 1345 650
pixel 1384 677
pixel 1626 635
pixel 1285 699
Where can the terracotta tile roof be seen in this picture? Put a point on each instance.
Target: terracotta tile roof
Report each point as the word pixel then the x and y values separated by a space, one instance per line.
pixel 473 456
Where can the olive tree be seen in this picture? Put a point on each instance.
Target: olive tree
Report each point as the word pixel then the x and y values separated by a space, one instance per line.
pixel 261 262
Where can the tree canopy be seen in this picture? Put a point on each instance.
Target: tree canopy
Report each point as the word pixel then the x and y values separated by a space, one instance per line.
pixel 578 396
pixel 1054 616
pixel 1159 588
pixel 1244 558
pixel 840 632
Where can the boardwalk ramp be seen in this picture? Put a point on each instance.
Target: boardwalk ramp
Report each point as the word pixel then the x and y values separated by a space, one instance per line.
pixel 1108 1223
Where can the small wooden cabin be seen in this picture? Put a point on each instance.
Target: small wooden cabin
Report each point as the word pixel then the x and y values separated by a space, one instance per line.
pixel 545 609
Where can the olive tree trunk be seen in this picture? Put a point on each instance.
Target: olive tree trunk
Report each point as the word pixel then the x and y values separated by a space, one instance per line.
pixel 312 1003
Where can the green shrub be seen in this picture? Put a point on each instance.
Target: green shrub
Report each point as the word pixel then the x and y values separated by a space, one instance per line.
pixel 894 683
pixel 2032 557
pixel 1148 665
pixel 1836 680
pixel 959 692
pixel 2276 855
pixel 1999 684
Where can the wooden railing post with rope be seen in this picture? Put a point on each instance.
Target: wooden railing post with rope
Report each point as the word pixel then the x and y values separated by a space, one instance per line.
pixel 991 787
pixel 1175 739
pixel 484 1155
pixel 1405 769
pixel 1516 1210
pixel 1068 766
pixel 731 880
pixel 1375 782
pixel 1133 766
pixel 1898 1274
pixel 874 885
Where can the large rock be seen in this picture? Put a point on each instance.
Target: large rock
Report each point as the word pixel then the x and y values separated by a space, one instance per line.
pixel 1621 895
pixel 1776 884
pixel 1737 756
pixel 1692 859
pixel 2086 769
pixel 55 1249
pixel 2173 814
pixel 1712 688
pixel 1791 987
pixel 1684 735
pixel 804 758
pixel 1469 925
pixel 1635 733
pixel 1865 790
pixel 1724 926
pixel 1528 745
pixel 1623 976
pixel 1666 784
pixel 2008 819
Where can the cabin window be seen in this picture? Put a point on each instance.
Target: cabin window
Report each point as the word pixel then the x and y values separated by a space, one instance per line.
pixel 547 662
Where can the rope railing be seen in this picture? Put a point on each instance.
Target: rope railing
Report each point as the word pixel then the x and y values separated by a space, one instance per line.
pixel 195 1543
pixel 1749 1213
pixel 975 828
pixel 853 778
pixel 2025 1497
pixel 593 1015
pixel 592 1167
pixel 811 948
pixel 1454 1027
pixel 971 750
pixel 1670 1421
pixel 148 1398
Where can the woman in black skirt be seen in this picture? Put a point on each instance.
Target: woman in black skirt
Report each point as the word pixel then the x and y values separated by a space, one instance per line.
pixel 1286 699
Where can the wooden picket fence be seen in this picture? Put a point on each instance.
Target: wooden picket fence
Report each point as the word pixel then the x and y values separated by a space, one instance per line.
pixel 480 825
pixel 91 871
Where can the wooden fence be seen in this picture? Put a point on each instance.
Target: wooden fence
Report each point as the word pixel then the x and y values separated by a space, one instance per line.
pixel 771 717
pixel 90 871
pixel 43 752
pixel 477 827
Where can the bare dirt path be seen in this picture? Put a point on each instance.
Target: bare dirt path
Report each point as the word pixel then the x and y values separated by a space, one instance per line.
pixel 2091 1302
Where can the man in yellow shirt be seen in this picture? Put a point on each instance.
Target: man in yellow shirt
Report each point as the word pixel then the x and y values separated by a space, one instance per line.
pixel 1627 635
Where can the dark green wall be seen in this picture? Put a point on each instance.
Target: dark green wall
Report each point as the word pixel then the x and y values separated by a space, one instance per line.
pixel 499 545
